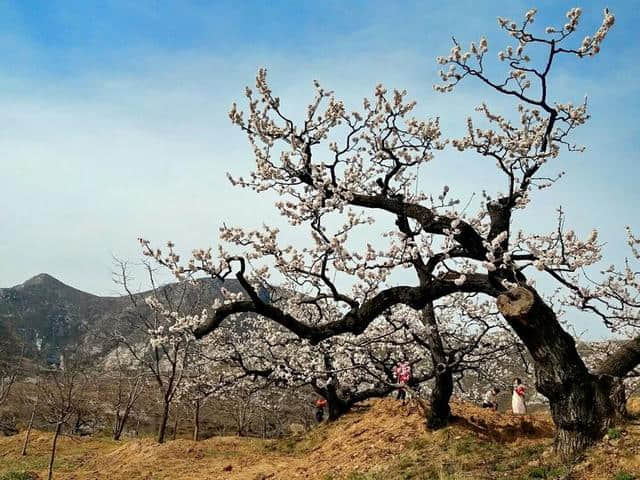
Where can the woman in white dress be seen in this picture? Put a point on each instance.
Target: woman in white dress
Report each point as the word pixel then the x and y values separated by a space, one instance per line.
pixel 517 400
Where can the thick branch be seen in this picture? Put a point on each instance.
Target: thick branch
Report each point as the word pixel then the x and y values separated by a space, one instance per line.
pixel 623 360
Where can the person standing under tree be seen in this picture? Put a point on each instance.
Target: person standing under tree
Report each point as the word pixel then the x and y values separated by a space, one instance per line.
pixel 517 399
pixel 321 403
pixel 403 374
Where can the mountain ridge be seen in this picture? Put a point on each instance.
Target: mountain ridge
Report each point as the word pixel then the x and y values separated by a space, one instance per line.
pixel 47 315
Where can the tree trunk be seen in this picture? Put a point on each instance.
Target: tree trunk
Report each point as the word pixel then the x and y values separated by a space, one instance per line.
pixel 29 427
pixel 196 422
pixel 162 429
pixel 116 430
pixel 336 406
pixel 53 449
pixel 117 433
pixel 175 426
pixel 582 412
pixel 121 422
pixel 619 399
pixel 581 404
pixel 440 412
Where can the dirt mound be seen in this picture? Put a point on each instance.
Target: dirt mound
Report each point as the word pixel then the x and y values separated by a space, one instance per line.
pixel 378 432
pixel 502 427
pixel 367 437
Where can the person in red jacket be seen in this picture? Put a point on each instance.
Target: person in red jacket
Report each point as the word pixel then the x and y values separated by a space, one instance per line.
pixel 403 375
pixel 321 403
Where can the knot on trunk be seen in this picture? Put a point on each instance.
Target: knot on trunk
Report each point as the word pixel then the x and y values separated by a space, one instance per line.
pixel 441 368
pixel 515 302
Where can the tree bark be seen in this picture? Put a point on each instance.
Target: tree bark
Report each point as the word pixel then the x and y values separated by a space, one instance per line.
pixel 440 411
pixel 582 412
pixel 53 449
pixel 162 429
pixel 29 427
pixel 336 405
pixel 337 408
pixel 581 404
pixel 619 399
pixel 623 360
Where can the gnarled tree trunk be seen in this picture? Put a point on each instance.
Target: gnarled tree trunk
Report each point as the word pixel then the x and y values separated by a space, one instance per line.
pixel 581 403
pixel 582 412
pixel 440 412
pixel 335 404
pixel 619 399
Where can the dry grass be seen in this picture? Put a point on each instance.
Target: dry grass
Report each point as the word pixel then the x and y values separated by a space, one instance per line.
pixel 381 440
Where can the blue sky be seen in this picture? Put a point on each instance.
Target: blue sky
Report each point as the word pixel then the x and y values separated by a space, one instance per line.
pixel 114 115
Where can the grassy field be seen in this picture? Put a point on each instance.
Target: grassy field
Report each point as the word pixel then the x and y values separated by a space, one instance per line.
pixel 379 441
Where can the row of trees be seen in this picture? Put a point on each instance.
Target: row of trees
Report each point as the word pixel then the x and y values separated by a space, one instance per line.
pixel 338 173
pixel 254 367
pixel 256 355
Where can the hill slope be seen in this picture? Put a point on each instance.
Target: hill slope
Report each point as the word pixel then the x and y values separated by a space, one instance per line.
pixel 51 315
pixel 382 440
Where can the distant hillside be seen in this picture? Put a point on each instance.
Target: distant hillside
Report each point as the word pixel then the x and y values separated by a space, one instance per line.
pixel 50 315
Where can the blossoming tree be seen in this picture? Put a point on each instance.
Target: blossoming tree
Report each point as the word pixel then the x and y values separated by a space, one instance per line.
pixel 465 336
pixel 152 333
pixel 361 167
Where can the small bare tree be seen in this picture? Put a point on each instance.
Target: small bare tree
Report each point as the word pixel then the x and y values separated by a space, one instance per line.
pixel 34 407
pixel 125 383
pixel 62 393
pixel 11 363
pixel 141 330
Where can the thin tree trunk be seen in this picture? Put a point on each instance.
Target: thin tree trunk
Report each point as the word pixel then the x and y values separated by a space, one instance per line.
pixel 29 427
pixel 116 425
pixel 175 426
pixel 264 426
pixel 137 423
pixel 121 422
pixel 118 432
pixel 162 429
pixel 196 422
pixel 335 404
pixel 53 450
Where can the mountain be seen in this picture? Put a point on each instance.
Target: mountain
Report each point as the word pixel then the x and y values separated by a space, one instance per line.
pixel 49 315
